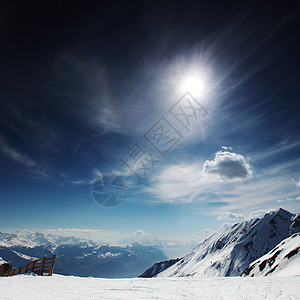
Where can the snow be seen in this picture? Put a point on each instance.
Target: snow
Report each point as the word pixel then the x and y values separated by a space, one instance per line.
pixel 2 261
pixel 25 256
pixel 283 260
pixel 29 239
pixel 69 287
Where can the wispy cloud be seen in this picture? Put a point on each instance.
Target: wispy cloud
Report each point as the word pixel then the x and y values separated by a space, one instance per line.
pixel 96 176
pixel 32 128
pixel 233 183
pixel 86 233
pixel 259 213
pixel 94 104
pixel 296 198
pixel 296 182
pixel 264 190
pixel 184 183
pixel 140 232
pixel 69 180
pixel 21 158
pixel 15 155
pixel 231 216
pixel 178 183
pixel 283 146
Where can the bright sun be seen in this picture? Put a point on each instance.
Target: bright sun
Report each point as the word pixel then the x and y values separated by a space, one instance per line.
pixel 193 85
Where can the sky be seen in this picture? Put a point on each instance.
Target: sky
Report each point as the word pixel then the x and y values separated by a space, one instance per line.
pixel 147 121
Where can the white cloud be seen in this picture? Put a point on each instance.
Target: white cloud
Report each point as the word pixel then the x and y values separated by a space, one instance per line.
pixel 141 233
pixel 259 213
pixel 188 183
pixel 183 183
pixel 226 225
pixel 231 216
pixel 226 148
pixel 227 166
pixel 296 182
pixel 297 198
pixel 178 183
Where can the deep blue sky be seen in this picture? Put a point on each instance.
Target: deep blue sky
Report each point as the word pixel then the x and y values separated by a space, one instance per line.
pixel 81 83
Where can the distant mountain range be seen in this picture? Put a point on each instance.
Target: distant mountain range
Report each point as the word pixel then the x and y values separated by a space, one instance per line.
pixel 76 256
pixel 257 247
pixel 229 253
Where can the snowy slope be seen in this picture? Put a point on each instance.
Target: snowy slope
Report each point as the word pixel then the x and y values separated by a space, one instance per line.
pixel 283 260
pixel 64 287
pixel 229 252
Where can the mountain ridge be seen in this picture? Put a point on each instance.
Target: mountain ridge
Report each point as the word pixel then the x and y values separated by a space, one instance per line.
pixel 77 256
pixel 229 252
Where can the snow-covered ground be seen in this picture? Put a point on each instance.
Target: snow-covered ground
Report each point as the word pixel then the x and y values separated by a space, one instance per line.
pixel 68 287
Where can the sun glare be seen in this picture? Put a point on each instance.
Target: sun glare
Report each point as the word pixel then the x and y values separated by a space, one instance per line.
pixel 194 85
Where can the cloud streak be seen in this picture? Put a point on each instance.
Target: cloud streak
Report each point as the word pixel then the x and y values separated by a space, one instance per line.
pixel 231 216
pixel 15 155
pixel 21 158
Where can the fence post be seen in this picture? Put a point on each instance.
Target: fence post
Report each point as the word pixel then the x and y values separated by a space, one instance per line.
pixel 26 269
pixel 42 266
pixel 33 266
pixel 52 265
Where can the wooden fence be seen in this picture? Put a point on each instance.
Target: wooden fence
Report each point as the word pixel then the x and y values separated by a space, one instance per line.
pixel 43 266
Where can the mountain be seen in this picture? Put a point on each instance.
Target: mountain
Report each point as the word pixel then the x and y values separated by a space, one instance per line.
pixel 27 238
pixel 283 260
pixel 159 267
pixel 78 257
pixel 228 253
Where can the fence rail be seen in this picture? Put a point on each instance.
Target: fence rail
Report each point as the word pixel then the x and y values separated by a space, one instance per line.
pixel 43 266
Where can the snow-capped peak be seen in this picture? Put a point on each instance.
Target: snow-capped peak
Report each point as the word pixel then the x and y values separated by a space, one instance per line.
pixel 229 252
pixel 30 239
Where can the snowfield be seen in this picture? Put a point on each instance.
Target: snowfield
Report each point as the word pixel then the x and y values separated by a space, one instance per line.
pixel 69 287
